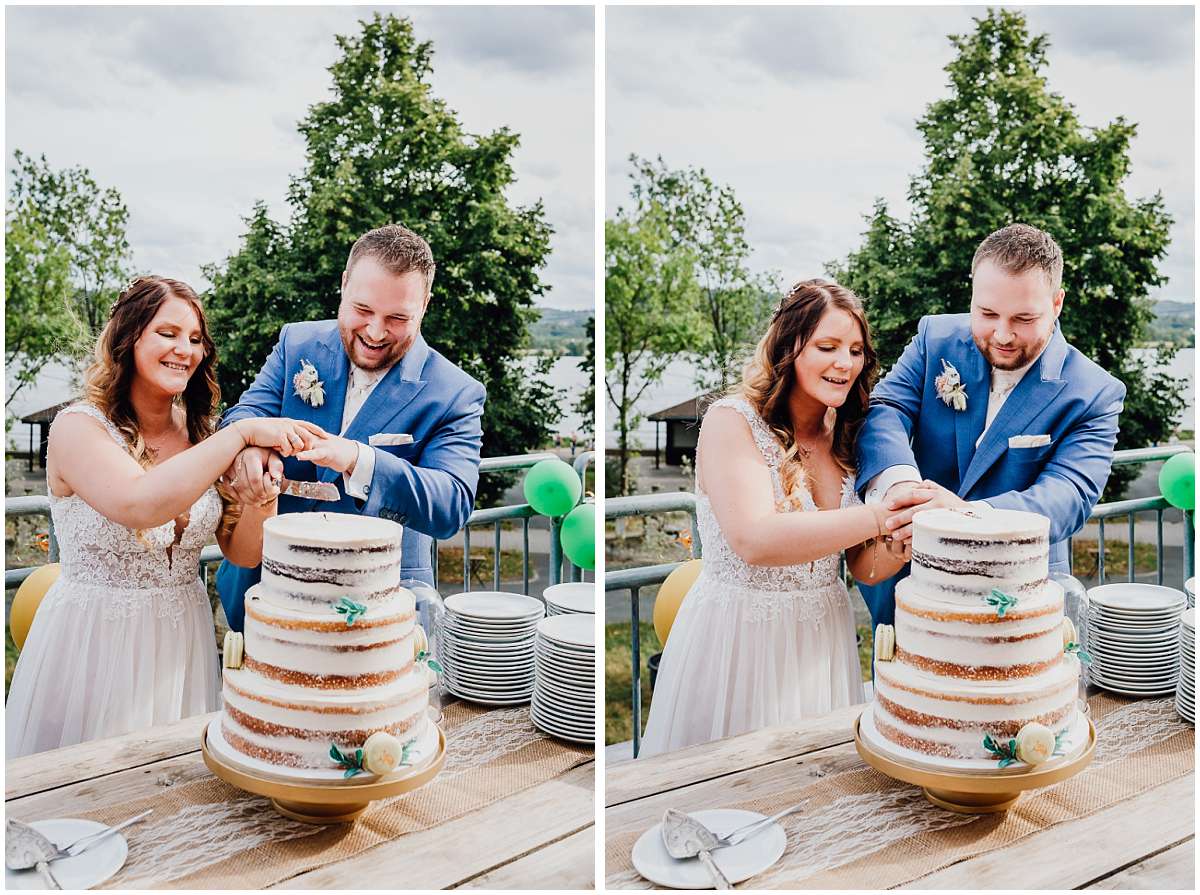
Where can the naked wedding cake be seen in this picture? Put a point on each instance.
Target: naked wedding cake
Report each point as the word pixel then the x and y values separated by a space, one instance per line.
pixel 980 650
pixel 330 645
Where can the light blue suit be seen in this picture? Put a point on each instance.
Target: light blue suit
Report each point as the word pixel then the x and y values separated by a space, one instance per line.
pixel 1063 395
pixel 427 486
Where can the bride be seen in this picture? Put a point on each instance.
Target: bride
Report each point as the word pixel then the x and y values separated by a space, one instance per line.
pixel 123 639
pixel 766 634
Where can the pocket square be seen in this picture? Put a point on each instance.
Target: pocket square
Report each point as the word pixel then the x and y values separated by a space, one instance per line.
pixel 386 439
pixel 1028 441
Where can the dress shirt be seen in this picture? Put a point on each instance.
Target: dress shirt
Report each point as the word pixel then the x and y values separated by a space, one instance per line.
pixel 359 386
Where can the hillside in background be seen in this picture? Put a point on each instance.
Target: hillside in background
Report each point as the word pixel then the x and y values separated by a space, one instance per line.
pixel 1174 321
pixel 560 331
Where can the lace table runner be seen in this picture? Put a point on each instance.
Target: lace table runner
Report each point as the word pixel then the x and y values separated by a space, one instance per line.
pixel 863 830
pixel 208 834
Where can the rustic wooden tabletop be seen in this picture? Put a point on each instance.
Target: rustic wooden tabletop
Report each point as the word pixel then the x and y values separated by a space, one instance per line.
pixel 1145 842
pixel 552 847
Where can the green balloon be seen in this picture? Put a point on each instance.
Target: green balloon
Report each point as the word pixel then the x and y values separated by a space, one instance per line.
pixel 578 536
pixel 552 487
pixel 1177 481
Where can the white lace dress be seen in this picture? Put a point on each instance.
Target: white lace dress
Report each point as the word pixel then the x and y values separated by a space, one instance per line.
pixel 123 639
pixel 754 646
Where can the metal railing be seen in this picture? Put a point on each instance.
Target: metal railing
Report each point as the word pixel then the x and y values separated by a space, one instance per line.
pixel 494 516
pixel 637 578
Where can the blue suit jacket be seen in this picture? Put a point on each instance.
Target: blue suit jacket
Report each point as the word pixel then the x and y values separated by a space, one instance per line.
pixel 1063 395
pixel 427 486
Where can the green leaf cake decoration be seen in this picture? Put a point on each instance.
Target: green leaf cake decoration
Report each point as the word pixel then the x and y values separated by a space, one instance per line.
pixel 1006 752
pixel 350 609
pixel 353 763
pixel 424 658
pixel 1001 601
pixel 1079 652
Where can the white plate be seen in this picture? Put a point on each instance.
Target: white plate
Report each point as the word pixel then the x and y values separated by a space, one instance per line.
pixel 484 681
pixel 583 706
pixel 1131 638
pixel 588 740
pixel 571 728
pixel 495 605
pixel 1128 595
pixel 1129 691
pixel 577 631
pixel 488 699
pixel 572 596
pixel 584 663
pixel 491 632
pixel 1187 618
pixel 487 649
pixel 83 871
pixel 738 862
pixel 521 655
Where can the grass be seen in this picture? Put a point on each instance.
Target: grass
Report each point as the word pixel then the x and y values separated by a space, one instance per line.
pixel 450 566
pixel 10 659
pixel 618 679
pixel 1086 556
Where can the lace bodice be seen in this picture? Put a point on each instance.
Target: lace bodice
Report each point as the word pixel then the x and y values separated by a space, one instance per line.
pixel 722 563
pixel 129 570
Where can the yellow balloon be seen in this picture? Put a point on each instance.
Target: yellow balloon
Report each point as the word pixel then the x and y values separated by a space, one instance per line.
pixel 670 596
pixel 27 599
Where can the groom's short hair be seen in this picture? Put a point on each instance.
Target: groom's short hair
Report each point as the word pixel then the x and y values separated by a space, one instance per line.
pixel 1020 247
pixel 398 249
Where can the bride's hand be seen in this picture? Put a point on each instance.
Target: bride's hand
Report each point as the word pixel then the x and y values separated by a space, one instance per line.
pixel 287 436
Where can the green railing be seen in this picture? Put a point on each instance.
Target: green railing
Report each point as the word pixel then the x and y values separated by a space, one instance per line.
pixel 637 578
pixel 494 516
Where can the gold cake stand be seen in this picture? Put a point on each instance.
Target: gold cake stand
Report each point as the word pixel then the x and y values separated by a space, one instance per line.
pixel 325 803
pixel 975 793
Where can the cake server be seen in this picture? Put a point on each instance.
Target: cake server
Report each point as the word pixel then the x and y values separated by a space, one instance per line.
pixel 25 847
pixel 686 837
pixel 310 490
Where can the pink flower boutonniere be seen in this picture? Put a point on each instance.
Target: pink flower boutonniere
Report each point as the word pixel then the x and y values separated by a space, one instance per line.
pixel 309 387
pixel 950 388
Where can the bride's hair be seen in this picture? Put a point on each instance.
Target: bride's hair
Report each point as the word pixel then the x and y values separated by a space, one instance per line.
pixel 770 376
pixel 107 382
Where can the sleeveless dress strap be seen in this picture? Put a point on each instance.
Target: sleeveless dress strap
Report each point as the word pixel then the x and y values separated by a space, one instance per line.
pixel 97 414
pixel 764 439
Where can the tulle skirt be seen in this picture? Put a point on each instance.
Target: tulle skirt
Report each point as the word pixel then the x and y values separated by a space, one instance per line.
pixel 740 659
pixel 102 661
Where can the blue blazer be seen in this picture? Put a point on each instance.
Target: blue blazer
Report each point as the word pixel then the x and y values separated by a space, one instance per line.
pixel 427 486
pixel 1063 395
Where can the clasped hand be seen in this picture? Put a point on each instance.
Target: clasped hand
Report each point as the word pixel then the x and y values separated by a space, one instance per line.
pixel 256 474
pixel 909 498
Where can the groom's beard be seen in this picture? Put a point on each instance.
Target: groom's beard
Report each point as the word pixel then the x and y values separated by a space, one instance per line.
pixel 360 359
pixel 1025 355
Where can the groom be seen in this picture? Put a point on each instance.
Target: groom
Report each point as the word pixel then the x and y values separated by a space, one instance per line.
pixel 992 408
pixel 365 375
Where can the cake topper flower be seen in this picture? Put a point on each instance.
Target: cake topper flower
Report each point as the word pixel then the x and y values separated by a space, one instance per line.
pixel 1033 744
pixel 309 387
pixel 380 754
pixel 950 387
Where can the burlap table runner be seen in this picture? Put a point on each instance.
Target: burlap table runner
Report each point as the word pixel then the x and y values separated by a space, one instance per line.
pixel 1140 744
pixel 208 834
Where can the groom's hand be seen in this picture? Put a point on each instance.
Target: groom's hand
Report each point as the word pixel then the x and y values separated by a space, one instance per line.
pixel 333 452
pixel 254 476
pixel 924 495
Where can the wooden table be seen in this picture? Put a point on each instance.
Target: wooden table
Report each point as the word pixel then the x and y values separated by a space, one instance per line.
pixel 551 847
pixel 1146 842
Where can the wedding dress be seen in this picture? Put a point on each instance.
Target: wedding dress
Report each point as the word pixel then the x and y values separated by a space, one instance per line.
pixel 754 646
pixel 123 639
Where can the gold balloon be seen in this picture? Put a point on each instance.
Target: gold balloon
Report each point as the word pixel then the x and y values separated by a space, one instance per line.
pixel 27 599
pixel 670 596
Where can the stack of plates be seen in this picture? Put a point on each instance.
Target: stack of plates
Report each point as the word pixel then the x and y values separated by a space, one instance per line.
pixel 487 640
pixel 1189 588
pixel 564 696
pixel 571 597
pixel 1133 638
pixel 1185 695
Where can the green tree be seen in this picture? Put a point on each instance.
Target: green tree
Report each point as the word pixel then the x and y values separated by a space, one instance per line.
pixel 1003 148
pixel 649 315
pixel 382 149
pixel 585 406
pixel 708 221
pixel 66 257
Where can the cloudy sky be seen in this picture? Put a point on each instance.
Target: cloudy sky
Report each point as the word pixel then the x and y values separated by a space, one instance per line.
pixel 191 113
pixel 809 113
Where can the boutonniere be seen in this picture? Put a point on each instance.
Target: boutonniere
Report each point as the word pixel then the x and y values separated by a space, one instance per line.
pixel 309 387
pixel 950 388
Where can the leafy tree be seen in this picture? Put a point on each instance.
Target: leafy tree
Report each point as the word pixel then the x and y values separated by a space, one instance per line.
pixel 66 257
pixel 649 314
pixel 384 149
pixel 1003 148
pixel 585 406
pixel 708 221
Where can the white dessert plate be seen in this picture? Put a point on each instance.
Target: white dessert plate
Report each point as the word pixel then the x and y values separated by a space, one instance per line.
pixel 513 664
pixel 557 712
pixel 523 653
pixel 1125 636
pixel 581 739
pixel 572 596
pixel 83 871
pixel 738 862
pixel 551 722
pixel 1129 691
pixel 566 694
pixel 1187 618
pixel 576 630
pixel 495 605
pixel 487 647
pixel 488 700
pixel 485 684
pixel 1135 596
pixel 581 658
pixel 498 631
pixel 583 706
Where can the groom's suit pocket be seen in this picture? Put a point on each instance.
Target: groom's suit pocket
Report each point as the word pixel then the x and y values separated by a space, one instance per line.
pixel 1026 454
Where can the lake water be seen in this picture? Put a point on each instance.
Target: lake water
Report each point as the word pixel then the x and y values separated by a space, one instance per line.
pixel 54 386
pixel 678 384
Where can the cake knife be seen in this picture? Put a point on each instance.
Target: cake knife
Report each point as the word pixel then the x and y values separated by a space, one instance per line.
pixel 686 837
pixel 310 490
